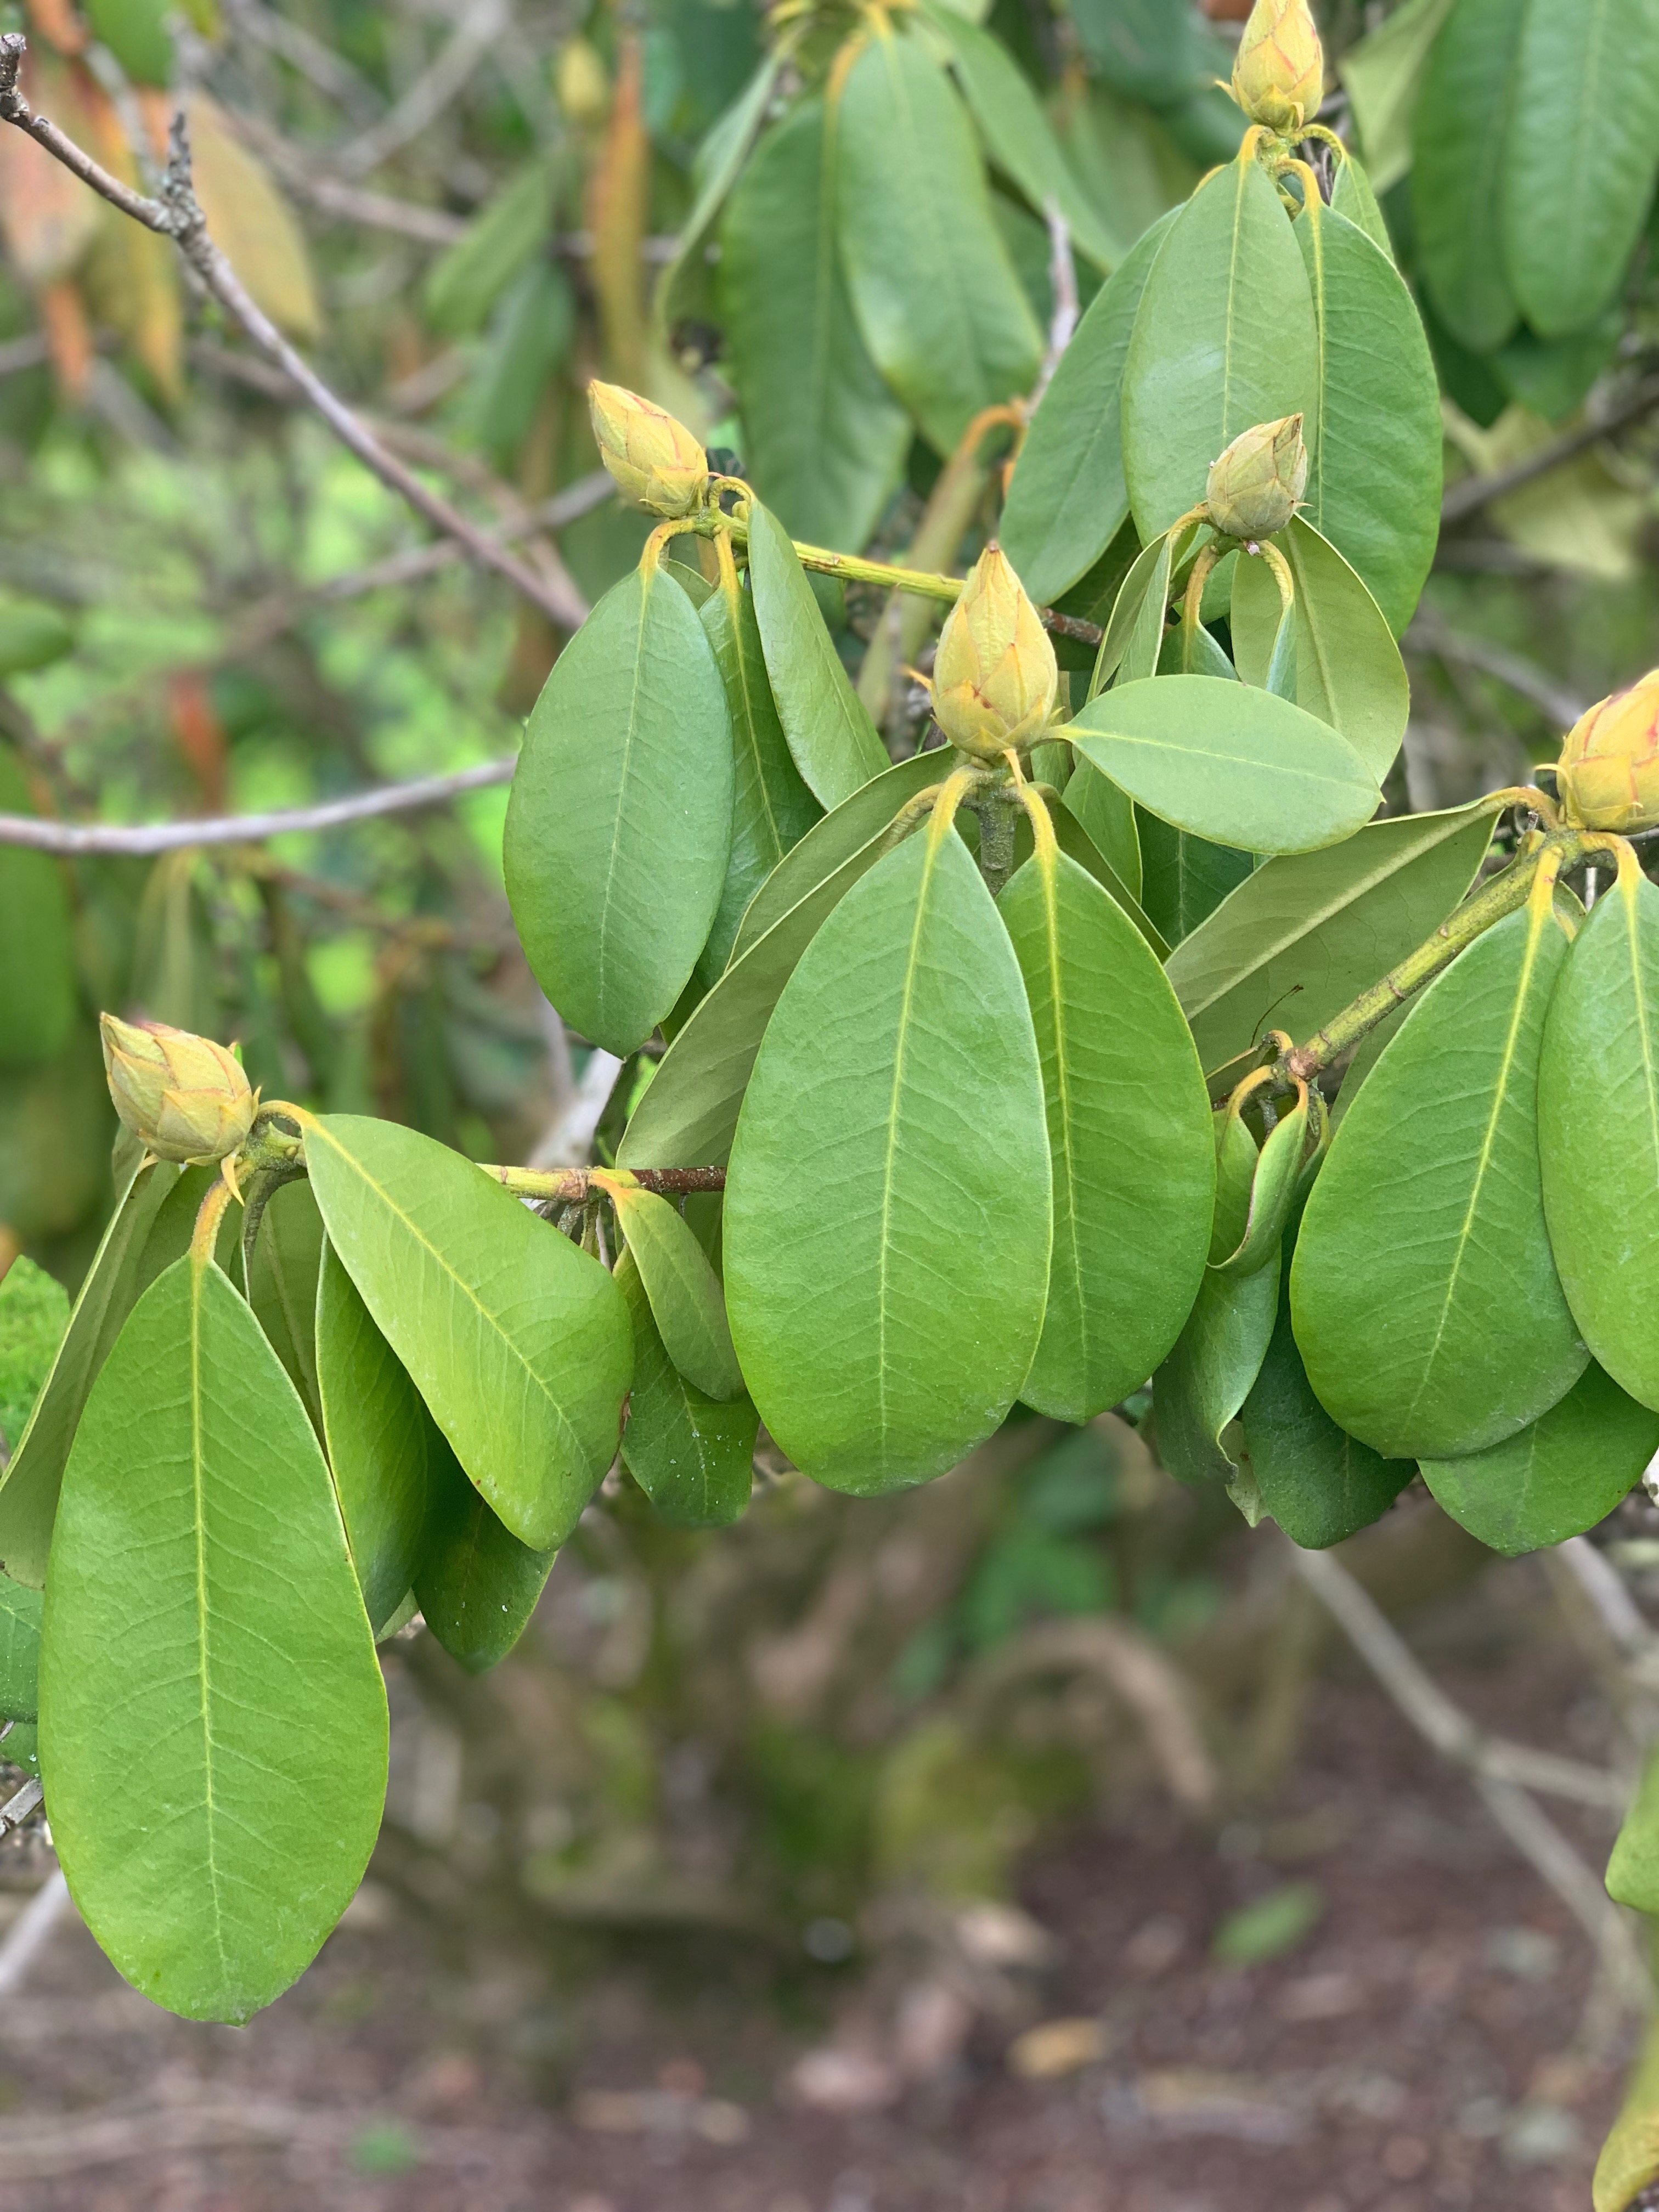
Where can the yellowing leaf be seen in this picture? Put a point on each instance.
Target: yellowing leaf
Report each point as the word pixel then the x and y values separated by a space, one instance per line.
pixel 251 222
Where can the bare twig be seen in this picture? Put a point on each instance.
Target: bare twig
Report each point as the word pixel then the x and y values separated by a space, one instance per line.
pixel 1062 274
pixel 17 1809
pixel 74 839
pixel 177 216
pixel 311 57
pixel 1469 495
pixel 1539 1841
pixel 29 1932
pixel 432 91
pixel 422 560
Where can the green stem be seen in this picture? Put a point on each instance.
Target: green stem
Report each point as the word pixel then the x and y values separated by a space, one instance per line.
pixel 998 812
pixel 573 1186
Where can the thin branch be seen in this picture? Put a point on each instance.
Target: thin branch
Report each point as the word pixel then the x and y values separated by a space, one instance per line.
pixel 177 216
pixel 17 1809
pixel 572 1185
pixel 72 840
pixel 1062 274
pixel 432 91
pixel 29 1933
pixel 1471 494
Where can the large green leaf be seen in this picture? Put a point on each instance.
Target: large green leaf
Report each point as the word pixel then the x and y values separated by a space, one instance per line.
pixel 771 807
pixel 1557 1477
pixel 1133 1166
pixel 1374 441
pixel 1465 117
pixel 1184 879
pixel 1306 933
pixel 683 1290
pixel 721 162
pixel 203 1605
pixel 692 1456
pixel 1383 78
pixel 832 739
pixel 1353 196
pixel 620 820
pixel 1068 498
pixel 1146 48
pixel 28 1489
pixel 376 1428
pixel 1107 816
pixel 476 1584
pixel 37 948
pixel 1198 1391
pixel 517 1340
pixel 1588 92
pixel 1427 1306
pixel 20 1654
pixel 843 832
pixel 887 1212
pixel 1228 762
pixel 1598 1133
pixel 1078 844
pixel 282 1287
pixel 825 440
pixel 1224 338
pixel 932 286
pixel 1348 668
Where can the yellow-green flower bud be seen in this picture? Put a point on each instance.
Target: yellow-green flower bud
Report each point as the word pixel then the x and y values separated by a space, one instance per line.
pixel 654 460
pixel 580 84
pixel 1279 78
pixel 1609 772
pixel 995 677
pixel 183 1097
pixel 1257 484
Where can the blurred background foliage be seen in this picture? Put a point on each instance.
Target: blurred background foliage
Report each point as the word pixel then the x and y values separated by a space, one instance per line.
pixel 464 210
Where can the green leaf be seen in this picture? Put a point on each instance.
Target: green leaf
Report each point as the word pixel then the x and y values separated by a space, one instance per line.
pixel 465 282
pixel 477 1585
pixel 887 1211
pixel 1588 92
pixel 1076 843
pixel 1557 1477
pixel 683 1291
pixel 1274 1175
pixel 1019 137
pixel 1235 1155
pixel 823 438
pixel 1598 1132
pixel 1465 116
pixel 375 1428
pixel 33 635
pixel 1306 933
pixel 692 1456
pixel 932 287
pixel 1184 879
pixel 1427 1305
pixel 529 340
pixel 29 1487
pixel 1384 77
pixel 720 160
pixel 832 739
pixel 203 1604
pixel 1146 48
pixel 1351 195
pixel 1198 1391
pixel 1133 641
pixel 1224 340
pixel 771 808
pixel 1068 498
pixel 619 824
pixel 1227 763
pixel 1128 1118
pixel 1633 1880
pixel 1108 816
pixel 1374 443
pixel 34 1312
pixel 1346 668
pixel 517 1341
pixel 282 1289
pixel 37 997
pixel 20 1655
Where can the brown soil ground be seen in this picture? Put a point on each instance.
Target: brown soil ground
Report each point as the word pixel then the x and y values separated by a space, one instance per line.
pixel 1425 2046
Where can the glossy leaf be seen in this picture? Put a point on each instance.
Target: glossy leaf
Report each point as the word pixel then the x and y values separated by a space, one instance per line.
pixel 682 1288
pixel 1588 90
pixel 1427 1306
pixel 29 1486
pixel 1383 78
pixel 1465 118
pixel 477 1585
pixel 824 439
pixel 1557 1477
pixel 1273 1179
pixel 1633 1880
pixel 1128 1118
pixel 1374 441
pixel 843 832
pixel 771 808
pixel 1198 1391
pixel 1068 498
pixel 1224 338
pixel 282 1287
pixel 1228 762
pixel 20 1654
pixel 932 286
pixel 692 1456
pixel 832 739
pixel 1598 1130
pixel 1184 879
pixel 1235 1158
pixel 1076 843
pixel 1108 816
pixel 1353 195
pixel 619 824
pixel 517 1341
pixel 203 1604
pixel 886 1305
pixel 375 1428
pixel 1306 933
pixel 1346 668
pixel 37 950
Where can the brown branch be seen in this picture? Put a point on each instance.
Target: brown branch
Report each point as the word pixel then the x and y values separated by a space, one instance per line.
pixel 1471 494
pixel 178 216
pixel 572 1185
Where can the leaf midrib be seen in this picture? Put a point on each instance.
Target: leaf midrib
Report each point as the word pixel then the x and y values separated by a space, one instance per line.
pixel 209 1807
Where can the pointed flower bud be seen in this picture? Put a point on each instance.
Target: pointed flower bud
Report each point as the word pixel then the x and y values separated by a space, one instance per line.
pixel 995 677
pixel 1257 484
pixel 1609 773
pixel 654 460
pixel 184 1098
pixel 1279 78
